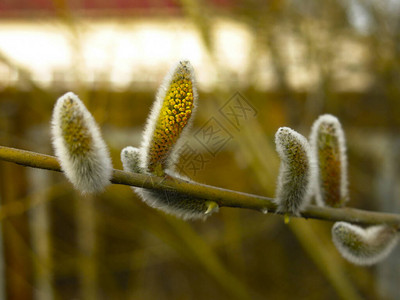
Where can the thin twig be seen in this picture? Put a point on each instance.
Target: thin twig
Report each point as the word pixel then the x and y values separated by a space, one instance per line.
pixel 223 197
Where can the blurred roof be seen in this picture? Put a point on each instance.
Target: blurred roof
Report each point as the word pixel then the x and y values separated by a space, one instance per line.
pixel 100 8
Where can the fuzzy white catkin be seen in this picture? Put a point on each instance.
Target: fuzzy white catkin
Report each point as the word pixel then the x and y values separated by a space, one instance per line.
pixel 78 145
pixel 364 246
pixel 328 146
pixel 177 204
pixel 296 171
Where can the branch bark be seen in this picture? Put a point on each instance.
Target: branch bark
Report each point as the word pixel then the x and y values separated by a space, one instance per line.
pixel 224 197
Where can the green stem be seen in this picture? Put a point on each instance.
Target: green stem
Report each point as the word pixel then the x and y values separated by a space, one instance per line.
pixel 222 197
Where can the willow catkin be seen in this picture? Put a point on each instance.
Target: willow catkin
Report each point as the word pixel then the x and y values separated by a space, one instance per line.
pixel 78 145
pixel 296 171
pixel 169 119
pixel 364 246
pixel 329 150
pixel 165 131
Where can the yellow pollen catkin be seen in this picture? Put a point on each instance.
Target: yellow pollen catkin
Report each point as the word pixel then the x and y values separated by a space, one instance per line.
pixel 175 113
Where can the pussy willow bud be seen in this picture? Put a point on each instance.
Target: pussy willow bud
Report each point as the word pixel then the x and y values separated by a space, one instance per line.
pixel 364 246
pixel 78 145
pixel 328 146
pixel 296 171
pixel 169 119
pixel 130 157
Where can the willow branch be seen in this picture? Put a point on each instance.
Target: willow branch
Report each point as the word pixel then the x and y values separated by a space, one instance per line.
pixel 223 197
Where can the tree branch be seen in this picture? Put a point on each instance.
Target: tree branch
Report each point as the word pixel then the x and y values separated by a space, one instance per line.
pixel 223 197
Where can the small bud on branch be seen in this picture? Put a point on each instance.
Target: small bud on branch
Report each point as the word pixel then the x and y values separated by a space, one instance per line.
pixel 329 150
pixel 364 246
pixel 78 145
pixel 296 171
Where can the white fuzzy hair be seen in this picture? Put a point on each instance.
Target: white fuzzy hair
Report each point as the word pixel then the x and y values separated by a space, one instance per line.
pixel 328 119
pixel 130 158
pixel 88 171
pixel 173 203
pixel 364 246
pixel 293 191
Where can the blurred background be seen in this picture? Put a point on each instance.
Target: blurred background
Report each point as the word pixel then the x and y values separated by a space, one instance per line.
pixel 259 65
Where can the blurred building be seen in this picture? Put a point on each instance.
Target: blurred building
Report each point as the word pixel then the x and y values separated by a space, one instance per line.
pixel 131 44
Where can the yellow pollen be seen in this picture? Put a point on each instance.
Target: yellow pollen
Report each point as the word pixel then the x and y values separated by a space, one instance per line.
pixel 176 111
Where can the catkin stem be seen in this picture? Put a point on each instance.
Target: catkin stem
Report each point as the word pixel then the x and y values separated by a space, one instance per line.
pixel 222 197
